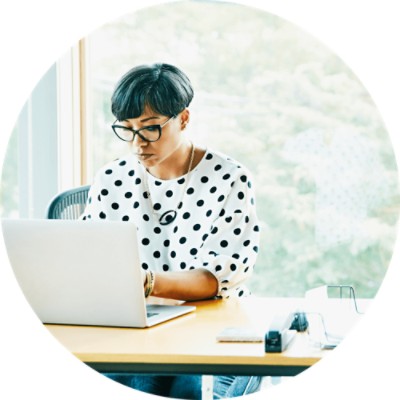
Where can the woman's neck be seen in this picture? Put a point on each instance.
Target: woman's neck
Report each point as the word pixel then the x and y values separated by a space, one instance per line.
pixel 175 165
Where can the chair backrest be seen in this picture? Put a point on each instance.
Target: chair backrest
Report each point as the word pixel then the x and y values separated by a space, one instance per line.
pixel 69 204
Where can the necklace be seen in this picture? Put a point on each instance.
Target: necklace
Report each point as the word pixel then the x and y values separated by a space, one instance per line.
pixel 169 216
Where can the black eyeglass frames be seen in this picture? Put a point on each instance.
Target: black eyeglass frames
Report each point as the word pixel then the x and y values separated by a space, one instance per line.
pixel 149 133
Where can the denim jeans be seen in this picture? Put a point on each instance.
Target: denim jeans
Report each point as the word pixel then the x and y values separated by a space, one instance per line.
pixel 188 386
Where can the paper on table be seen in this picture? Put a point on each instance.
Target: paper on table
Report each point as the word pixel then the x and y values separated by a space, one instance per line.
pixel 240 334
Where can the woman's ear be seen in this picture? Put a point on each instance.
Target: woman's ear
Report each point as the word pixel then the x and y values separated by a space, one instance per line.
pixel 185 117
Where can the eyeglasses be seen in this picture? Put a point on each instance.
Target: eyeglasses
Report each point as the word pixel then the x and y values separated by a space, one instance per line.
pixel 149 133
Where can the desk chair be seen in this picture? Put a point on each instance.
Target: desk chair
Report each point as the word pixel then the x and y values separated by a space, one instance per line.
pixel 69 204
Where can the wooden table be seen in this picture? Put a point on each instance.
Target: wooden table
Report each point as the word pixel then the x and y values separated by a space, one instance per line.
pixel 188 344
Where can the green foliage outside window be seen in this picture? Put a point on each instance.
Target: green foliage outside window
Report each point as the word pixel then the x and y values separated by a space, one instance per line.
pixel 279 101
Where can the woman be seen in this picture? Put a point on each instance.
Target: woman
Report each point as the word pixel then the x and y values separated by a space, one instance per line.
pixel 194 207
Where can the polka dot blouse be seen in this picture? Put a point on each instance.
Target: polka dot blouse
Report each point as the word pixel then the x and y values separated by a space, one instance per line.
pixel 216 225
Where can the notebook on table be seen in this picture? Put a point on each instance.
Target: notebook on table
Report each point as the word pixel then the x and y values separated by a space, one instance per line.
pixel 82 272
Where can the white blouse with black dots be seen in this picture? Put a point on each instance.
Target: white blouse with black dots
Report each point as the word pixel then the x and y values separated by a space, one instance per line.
pixel 216 225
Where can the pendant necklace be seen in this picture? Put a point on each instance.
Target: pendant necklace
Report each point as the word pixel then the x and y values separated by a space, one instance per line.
pixel 169 216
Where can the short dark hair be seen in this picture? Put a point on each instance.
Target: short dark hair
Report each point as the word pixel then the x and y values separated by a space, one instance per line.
pixel 162 87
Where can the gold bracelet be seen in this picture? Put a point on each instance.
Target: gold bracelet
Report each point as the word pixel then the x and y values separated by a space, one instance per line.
pixel 149 283
pixel 146 286
pixel 153 280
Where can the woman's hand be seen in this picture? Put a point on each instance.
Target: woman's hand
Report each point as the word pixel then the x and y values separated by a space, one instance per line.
pixel 196 284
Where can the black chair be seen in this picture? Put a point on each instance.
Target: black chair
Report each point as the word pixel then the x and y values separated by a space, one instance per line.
pixel 69 204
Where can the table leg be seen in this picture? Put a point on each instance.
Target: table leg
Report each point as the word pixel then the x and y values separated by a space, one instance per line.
pixel 207 383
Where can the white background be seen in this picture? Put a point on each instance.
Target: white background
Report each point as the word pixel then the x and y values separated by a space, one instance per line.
pixel 34 34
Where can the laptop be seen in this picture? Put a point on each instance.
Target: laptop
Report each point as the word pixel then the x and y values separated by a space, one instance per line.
pixel 82 272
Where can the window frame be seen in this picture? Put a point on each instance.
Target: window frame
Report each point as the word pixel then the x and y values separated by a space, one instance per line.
pixel 72 121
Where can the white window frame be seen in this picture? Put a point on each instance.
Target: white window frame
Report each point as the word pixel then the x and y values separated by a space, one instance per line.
pixel 72 120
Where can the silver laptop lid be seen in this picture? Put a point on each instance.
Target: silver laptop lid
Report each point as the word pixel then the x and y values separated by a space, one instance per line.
pixel 78 272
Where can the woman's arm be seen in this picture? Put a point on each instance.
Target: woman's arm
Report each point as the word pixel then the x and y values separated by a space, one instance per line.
pixel 229 250
pixel 196 284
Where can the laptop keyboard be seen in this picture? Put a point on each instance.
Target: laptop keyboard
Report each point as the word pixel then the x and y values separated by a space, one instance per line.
pixel 151 314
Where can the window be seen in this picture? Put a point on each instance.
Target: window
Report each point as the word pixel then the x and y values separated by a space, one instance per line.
pixel 44 154
pixel 30 173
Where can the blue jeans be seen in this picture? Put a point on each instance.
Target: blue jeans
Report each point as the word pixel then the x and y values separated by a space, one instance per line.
pixel 188 386
pixel 234 386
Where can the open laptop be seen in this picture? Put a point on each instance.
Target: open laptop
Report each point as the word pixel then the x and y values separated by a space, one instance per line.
pixel 82 272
